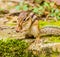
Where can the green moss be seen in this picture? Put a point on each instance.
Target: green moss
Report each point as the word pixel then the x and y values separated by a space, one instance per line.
pixel 13 48
pixel 49 23
pixel 54 39
pixel 18 48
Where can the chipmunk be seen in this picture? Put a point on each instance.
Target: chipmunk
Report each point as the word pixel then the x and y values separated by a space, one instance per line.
pixel 29 24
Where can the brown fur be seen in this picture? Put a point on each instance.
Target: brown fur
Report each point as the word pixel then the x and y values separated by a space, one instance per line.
pixel 30 26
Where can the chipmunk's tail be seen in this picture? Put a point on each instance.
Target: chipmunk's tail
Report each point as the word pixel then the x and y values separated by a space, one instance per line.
pixel 50 30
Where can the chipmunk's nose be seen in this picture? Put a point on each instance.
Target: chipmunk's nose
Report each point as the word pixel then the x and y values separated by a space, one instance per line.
pixel 17 29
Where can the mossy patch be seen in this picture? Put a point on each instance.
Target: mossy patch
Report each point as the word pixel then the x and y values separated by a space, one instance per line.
pixel 49 23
